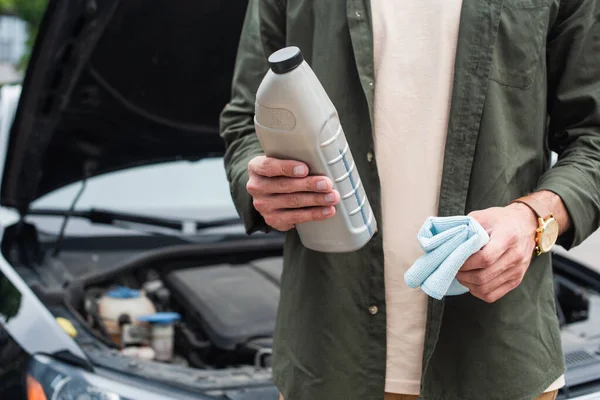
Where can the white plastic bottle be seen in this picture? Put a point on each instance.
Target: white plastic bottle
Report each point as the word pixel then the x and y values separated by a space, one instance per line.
pixel 296 120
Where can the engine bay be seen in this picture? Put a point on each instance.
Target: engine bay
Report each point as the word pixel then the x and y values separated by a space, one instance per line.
pixel 219 316
pixel 216 316
pixel 203 315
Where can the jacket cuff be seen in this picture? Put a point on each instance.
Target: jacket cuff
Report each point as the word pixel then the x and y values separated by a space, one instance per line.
pixel 253 220
pixel 577 193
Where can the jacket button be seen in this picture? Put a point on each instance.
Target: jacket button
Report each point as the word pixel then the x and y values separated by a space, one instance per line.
pixel 370 157
pixel 373 310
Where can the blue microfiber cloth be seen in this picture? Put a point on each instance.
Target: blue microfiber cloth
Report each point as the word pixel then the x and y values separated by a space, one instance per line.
pixel 447 243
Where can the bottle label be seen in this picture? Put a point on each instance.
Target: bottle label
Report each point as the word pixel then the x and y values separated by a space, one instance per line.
pixel 275 118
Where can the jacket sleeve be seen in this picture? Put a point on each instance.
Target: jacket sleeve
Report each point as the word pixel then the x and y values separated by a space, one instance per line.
pixel 573 62
pixel 263 32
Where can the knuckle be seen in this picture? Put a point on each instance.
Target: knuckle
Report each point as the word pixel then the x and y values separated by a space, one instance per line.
pixel 502 267
pixel 302 216
pixel 512 238
pixel 275 219
pixel 315 200
pixel 258 204
pixel 479 279
pixel 517 274
pixel 310 184
pixel 488 288
pixel 253 164
pixel 488 298
pixel 252 186
pixel 294 200
pixel 515 285
pixel 264 167
pixel 517 282
pixel 486 259
pixel 283 185
pixel 282 168
pixel 279 224
pixel 474 214
pixel 514 258
pixel 266 162
pixel 525 258
pixel 293 217
pixel 262 204
pixel 468 265
pixel 269 220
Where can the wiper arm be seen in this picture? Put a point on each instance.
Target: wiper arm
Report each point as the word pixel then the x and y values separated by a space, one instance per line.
pixel 108 217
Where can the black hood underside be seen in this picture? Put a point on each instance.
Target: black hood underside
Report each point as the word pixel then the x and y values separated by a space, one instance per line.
pixel 114 84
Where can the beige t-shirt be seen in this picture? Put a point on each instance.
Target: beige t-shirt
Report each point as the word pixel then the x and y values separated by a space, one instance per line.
pixel 414 49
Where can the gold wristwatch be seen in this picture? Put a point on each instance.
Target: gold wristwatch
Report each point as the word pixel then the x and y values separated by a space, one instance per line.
pixel 547 231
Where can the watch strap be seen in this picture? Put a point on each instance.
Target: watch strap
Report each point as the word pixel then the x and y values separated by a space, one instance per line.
pixel 535 205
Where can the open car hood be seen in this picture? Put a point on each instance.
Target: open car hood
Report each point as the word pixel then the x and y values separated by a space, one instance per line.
pixel 116 84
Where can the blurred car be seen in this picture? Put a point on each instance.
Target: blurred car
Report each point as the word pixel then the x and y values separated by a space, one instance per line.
pixel 113 193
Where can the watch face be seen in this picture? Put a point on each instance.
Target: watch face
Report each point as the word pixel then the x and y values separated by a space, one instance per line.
pixel 549 235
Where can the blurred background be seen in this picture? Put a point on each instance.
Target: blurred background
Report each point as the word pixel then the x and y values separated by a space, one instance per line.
pixel 19 20
pixel 173 189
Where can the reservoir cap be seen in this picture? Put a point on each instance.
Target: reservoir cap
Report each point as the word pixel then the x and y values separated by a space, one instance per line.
pixel 161 318
pixel 123 292
pixel 286 59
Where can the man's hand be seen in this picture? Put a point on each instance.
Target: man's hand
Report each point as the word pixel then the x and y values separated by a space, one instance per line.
pixel 285 195
pixel 500 265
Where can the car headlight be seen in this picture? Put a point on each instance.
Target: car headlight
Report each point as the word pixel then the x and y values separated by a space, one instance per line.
pixel 68 389
pixel 49 379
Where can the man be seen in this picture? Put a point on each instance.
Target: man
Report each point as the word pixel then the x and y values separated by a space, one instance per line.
pixel 450 108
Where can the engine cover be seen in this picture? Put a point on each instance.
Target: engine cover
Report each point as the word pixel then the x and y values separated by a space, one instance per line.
pixel 232 303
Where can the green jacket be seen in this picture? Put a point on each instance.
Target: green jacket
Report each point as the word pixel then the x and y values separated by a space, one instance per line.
pixel 527 81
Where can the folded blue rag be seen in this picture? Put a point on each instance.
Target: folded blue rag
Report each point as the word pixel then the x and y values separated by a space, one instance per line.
pixel 447 243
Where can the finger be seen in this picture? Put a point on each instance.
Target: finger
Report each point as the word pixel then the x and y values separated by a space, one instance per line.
pixel 499 292
pixel 484 285
pixel 291 185
pixel 303 199
pixel 500 242
pixel 270 167
pixel 486 257
pixel 298 216
pixel 482 276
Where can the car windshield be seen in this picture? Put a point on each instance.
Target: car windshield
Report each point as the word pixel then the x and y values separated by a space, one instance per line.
pixel 185 190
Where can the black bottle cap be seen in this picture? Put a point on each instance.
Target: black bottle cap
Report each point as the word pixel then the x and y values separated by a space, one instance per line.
pixel 285 60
